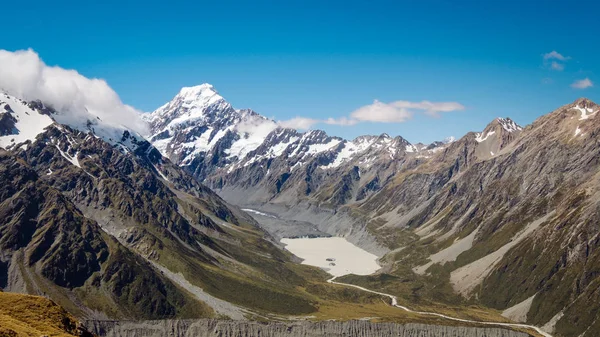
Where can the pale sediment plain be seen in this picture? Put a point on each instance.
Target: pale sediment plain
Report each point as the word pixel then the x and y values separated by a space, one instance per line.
pixel 350 259
pixel 334 254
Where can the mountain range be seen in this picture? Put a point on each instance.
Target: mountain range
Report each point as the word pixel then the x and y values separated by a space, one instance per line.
pixel 505 217
pixel 114 224
pixel 108 228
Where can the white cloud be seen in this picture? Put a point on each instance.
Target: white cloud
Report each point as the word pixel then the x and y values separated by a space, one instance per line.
pixel 299 123
pixel 555 60
pixel 343 121
pixel 557 66
pixel 378 112
pixel 432 108
pixel 400 111
pixel 382 112
pixel 25 75
pixel 556 55
pixel 304 123
pixel 582 84
pixel 256 125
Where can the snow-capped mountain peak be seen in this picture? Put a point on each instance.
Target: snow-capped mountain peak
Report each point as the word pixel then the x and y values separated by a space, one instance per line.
pixel 198 103
pixel 508 124
pixel 202 131
pixel 198 96
pixel 204 90
pixel 498 126
pixel 448 140
pixel 19 121
pixel 22 121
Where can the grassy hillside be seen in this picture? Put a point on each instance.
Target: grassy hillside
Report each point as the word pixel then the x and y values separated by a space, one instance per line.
pixel 34 316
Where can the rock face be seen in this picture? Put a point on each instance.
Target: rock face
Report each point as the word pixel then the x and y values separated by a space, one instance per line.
pixel 44 235
pixel 210 328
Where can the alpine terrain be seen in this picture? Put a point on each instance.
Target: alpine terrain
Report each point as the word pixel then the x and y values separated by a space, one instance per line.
pixel 95 218
pixel 102 228
pixel 110 224
pixel 505 218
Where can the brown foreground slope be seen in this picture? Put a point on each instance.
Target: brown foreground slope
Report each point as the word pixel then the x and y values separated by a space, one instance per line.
pixel 25 315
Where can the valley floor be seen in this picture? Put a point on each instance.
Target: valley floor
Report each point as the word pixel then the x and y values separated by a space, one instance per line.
pixel 394 300
pixel 339 257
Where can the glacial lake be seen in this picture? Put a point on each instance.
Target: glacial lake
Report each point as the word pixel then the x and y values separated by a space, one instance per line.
pixel 335 255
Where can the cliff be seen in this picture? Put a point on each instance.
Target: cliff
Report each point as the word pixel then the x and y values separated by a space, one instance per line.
pixel 222 328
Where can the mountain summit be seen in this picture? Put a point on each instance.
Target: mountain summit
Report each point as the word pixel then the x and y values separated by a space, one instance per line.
pixel 191 104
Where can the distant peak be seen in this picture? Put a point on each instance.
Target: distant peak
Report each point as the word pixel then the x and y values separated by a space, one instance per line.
pixel 508 124
pixel 505 122
pixel 204 89
pixel 199 96
pixel 314 134
pixel 448 140
pixel 401 139
pixel 584 102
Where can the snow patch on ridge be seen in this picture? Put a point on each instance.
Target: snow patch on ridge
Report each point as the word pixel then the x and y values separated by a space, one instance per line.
pixel 258 212
pixel 73 160
pixel 29 123
pixel 253 133
pixel 201 144
pixel 410 148
pixel 481 138
pixel 586 113
pixel 350 150
pixel 509 125
pixel 278 149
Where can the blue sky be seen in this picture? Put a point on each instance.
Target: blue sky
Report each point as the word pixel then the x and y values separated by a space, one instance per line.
pixel 319 60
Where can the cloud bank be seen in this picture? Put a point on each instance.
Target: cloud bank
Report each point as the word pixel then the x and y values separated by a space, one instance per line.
pixel 582 84
pixel 555 60
pixel 556 56
pixel 300 123
pixel 379 112
pixel 557 66
pixel 382 112
pixel 23 74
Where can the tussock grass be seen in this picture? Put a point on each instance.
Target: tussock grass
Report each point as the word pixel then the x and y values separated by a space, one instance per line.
pixel 25 316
